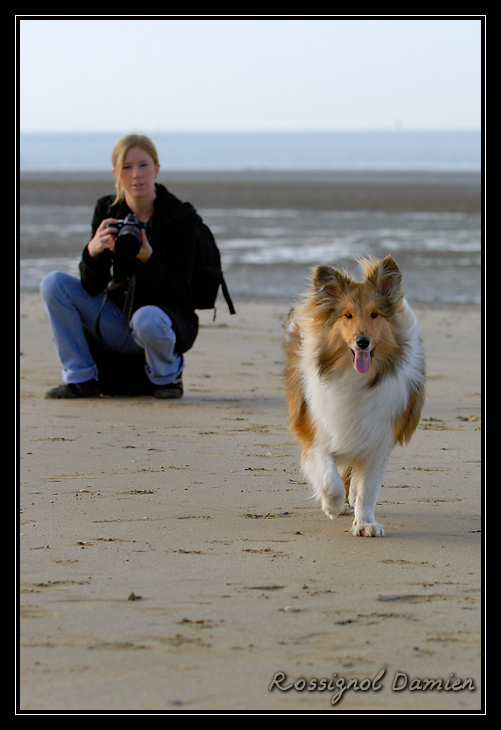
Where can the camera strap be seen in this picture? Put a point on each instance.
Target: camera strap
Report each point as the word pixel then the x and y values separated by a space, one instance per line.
pixel 129 299
pixel 127 309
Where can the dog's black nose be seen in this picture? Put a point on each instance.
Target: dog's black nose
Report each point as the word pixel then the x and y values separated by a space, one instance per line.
pixel 363 342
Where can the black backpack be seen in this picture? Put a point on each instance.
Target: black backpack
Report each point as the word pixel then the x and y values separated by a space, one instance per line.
pixel 208 275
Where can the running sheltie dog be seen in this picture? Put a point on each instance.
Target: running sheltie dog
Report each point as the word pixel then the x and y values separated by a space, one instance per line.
pixel 354 384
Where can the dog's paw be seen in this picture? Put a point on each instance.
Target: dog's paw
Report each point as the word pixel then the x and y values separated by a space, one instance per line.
pixel 333 504
pixel 367 529
pixel 346 509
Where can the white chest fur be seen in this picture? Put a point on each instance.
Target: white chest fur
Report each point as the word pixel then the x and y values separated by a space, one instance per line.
pixel 351 419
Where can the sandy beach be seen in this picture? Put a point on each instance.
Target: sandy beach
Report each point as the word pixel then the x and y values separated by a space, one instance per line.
pixel 171 560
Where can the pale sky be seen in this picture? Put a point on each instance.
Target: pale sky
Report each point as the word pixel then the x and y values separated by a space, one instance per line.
pixel 249 74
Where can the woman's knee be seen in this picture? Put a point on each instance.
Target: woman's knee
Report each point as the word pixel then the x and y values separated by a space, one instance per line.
pixel 150 323
pixel 53 283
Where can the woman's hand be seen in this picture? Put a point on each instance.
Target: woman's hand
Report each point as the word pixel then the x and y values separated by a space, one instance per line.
pixel 145 251
pixel 104 238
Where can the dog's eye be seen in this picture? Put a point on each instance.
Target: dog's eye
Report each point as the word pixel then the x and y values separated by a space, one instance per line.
pixel 374 315
pixel 348 315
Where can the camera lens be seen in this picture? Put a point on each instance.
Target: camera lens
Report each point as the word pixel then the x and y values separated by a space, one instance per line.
pixel 128 242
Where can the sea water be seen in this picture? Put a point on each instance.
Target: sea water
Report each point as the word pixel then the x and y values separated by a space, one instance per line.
pixel 240 151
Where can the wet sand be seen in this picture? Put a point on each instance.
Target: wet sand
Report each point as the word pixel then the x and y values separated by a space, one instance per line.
pixel 387 191
pixel 171 560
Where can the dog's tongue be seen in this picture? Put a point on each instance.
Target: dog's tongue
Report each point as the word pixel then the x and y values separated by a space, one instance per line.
pixel 362 361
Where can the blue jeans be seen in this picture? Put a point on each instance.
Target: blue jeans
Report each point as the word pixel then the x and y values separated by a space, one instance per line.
pixel 72 311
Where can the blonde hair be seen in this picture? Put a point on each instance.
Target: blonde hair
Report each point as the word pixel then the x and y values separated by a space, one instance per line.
pixel 119 151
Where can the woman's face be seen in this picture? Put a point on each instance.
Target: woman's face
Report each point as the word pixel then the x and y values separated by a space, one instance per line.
pixel 139 172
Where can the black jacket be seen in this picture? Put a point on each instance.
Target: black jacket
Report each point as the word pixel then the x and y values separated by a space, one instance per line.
pixel 166 279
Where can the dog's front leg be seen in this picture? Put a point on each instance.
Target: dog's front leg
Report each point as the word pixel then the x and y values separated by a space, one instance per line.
pixel 366 482
pixel 322 474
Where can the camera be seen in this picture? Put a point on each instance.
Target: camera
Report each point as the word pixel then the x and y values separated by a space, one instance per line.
pixel 128 240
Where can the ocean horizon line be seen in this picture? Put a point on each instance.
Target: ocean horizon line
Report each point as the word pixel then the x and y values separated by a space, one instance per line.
pixel 191 150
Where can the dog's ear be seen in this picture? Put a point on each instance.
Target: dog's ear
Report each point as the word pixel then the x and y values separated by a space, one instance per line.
pixel 322 275
pixel 384 276
pixel 330 280
pixel 389 278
